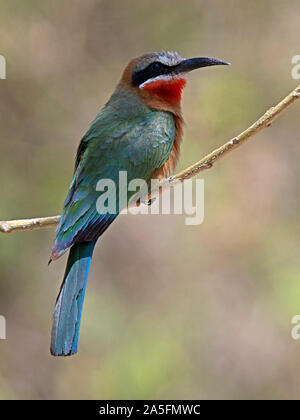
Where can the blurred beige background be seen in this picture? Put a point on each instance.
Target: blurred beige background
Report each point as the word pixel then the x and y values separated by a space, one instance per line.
pixel 172 311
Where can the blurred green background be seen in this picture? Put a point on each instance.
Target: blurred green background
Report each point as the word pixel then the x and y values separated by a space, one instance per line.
pixel 172 311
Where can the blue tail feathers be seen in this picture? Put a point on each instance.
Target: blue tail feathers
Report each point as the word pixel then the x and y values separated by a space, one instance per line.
pixel 68 308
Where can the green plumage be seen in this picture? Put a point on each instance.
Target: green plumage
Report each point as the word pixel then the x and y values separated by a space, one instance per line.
pixel 125 136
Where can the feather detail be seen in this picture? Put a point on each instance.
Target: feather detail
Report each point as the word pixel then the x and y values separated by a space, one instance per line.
pixel 68 308
pixel 168 167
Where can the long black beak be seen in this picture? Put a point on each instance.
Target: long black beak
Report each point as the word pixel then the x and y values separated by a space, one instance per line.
pixel 195 63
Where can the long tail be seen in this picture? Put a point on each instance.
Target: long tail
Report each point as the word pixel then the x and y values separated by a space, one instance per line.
pixel 68 308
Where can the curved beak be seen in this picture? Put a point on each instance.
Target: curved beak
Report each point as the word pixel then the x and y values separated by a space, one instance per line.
pixel 195 63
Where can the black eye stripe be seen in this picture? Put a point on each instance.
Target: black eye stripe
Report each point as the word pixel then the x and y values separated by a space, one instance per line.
pixel 153 70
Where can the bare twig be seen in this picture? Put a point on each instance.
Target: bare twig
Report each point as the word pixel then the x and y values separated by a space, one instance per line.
pixel 205 163
pixel 29 224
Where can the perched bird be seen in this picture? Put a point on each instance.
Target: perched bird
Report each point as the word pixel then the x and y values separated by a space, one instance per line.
pixel 139 130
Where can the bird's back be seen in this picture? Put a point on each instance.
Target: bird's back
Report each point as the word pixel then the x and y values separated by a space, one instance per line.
pixel 125 136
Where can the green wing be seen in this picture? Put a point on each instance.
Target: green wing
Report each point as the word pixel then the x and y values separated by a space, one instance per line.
pixel 138 144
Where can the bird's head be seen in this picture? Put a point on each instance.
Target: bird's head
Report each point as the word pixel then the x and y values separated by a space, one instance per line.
pixel 159 78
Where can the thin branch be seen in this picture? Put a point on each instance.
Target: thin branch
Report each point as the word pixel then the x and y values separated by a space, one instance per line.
pixel 29 224
pixel 205 163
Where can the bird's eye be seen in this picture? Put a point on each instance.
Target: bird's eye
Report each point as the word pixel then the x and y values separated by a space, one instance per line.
pixel 156 66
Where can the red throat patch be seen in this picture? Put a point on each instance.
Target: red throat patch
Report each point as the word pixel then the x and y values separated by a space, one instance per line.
pixel 168 90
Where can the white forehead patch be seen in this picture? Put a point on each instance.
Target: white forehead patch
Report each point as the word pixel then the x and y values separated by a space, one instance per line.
pixel 169 58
